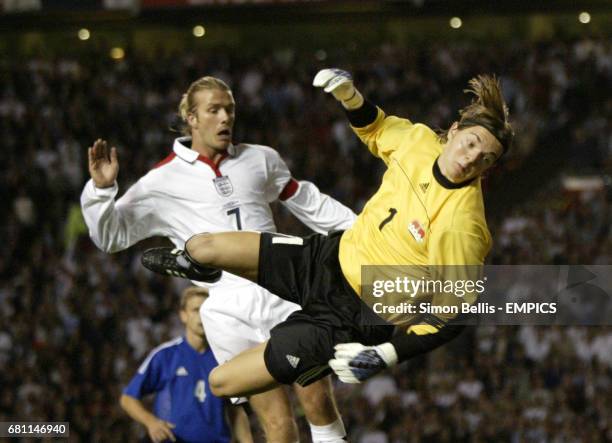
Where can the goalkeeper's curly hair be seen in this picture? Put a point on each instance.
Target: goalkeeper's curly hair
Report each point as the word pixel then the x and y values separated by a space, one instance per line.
pixel 488 109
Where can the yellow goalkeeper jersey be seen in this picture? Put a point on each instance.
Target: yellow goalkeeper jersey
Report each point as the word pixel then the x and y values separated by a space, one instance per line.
pixel 417 216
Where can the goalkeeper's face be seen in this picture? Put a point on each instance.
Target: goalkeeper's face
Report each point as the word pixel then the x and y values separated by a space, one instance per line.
pixel 468 153
pixel 190 315
pixel 212 120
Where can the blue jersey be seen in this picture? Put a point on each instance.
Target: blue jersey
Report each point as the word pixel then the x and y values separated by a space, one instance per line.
pixel 178 374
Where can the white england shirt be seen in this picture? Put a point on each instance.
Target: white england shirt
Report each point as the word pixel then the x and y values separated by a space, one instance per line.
pixel 186 194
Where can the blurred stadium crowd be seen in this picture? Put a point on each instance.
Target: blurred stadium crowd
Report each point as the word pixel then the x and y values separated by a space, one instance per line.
pixel 76 322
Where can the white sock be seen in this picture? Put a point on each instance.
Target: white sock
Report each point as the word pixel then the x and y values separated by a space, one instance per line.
pixel 331 433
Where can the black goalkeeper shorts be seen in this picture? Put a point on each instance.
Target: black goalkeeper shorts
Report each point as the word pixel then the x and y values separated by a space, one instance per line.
pixel 306 271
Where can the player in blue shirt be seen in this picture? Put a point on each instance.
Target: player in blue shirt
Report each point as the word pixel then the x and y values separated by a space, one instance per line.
pixel 177 372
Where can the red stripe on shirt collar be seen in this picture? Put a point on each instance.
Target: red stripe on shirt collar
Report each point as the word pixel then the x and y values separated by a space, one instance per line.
pixel 168 159
pixel 212 164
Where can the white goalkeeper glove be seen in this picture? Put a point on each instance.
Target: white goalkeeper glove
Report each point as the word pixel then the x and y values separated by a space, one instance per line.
pixel 340 84
pixel 354 362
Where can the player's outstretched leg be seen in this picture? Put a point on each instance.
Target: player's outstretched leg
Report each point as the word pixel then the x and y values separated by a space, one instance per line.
pixel 247 375
pixel 205 254
pixel 242 376
pixel 235 252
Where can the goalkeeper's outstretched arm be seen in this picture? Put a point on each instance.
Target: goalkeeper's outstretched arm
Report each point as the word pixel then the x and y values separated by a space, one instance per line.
pixel 382 134
pixel 339 83
pixel 354 362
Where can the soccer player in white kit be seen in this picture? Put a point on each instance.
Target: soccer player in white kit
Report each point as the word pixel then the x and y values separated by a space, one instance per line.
pixel 208 184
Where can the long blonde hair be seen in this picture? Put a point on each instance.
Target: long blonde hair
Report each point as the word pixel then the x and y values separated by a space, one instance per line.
pixel 488 109
pixel 188 105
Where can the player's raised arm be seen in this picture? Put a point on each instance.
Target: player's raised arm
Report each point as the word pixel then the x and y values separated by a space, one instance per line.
pixel 382 134
pixel 340 84
pixel 115 225
pixel 103 164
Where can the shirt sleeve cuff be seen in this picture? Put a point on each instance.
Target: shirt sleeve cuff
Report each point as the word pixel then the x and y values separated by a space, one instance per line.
pixel 388 353
pixel 111 191
pixel 363 116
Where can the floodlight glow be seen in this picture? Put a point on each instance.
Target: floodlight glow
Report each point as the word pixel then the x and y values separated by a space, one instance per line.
pixel 455 23
pixel 199 31
pixel 117 53
pixel 84 34
pixel 584 17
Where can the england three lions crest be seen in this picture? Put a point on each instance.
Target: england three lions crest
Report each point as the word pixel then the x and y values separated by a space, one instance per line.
pixel 223 185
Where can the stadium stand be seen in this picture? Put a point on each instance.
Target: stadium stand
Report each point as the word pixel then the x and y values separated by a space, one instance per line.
pixel 76 322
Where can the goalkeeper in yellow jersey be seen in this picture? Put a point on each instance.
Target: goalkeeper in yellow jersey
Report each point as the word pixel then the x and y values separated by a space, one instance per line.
pixel 427 212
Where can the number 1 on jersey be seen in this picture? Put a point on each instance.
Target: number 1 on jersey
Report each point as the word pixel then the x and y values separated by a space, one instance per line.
pixel 236 211
pixel 392 212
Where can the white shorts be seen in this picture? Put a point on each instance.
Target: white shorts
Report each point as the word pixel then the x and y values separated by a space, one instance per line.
pixel 239 314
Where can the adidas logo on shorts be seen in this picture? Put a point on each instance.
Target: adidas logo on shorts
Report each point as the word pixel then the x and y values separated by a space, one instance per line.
pixel 293 360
